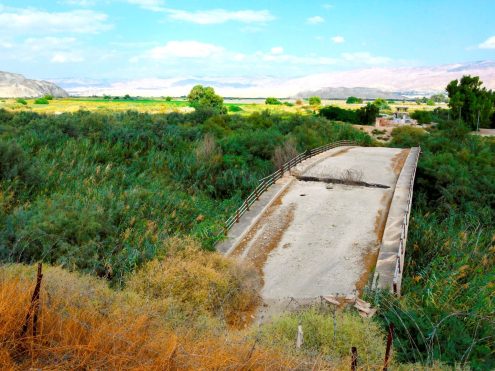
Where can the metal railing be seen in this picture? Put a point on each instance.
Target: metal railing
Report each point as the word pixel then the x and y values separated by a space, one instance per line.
pixel 267 181
pixel 399 262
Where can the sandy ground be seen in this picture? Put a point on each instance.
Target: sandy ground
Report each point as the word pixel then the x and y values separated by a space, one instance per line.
pixel 318 238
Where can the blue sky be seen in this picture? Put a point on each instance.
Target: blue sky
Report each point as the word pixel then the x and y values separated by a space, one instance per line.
pixel 130 39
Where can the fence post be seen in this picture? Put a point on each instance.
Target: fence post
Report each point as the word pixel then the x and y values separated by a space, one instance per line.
pixel 237 216
pixel 390 337
pixel 299 339
pixel 354 362
pixel 35 304
pixel 247 205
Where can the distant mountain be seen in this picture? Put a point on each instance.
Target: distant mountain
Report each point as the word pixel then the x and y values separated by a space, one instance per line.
pixel 385 82
pixel 13 85
pixel 343 93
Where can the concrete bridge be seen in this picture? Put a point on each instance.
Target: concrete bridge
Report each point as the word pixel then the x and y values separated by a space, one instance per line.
pixel 331 225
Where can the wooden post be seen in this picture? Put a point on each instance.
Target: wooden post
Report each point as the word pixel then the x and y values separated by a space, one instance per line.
pixel 354 362
pixel 256 193
pixel 390 337
pixel 237 216
pixel 35 304
pixel 299 339
pixel 247 205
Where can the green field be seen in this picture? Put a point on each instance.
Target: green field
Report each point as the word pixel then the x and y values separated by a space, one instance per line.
pixel 160 105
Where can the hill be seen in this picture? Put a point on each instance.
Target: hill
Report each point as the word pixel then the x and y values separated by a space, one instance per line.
pixel 13 85
pixel 343 93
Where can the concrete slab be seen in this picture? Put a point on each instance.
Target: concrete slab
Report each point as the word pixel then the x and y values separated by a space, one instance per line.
pixel 318 238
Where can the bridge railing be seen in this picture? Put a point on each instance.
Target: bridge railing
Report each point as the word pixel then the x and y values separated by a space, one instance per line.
pixel 267 181
pixel 399 262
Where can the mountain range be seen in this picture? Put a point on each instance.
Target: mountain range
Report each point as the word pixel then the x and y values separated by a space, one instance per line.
pixel 385 82
pixel 13 85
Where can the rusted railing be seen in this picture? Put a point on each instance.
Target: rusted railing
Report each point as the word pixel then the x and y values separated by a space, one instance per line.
pixel 267 181
pixel 399 262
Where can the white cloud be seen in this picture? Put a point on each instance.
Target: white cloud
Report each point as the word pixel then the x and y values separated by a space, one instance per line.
pixel 488 43
pixel 365 58
pixel 83 3
pixel 327 6
pixel 216 16
pixel 66 58
pixel 184 49
pixel 277 50
pixel 153 5
pixel 338 39
pixel 315 20
pixel 27 21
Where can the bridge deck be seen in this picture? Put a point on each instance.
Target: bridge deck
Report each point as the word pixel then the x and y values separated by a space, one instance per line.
pixel 318 238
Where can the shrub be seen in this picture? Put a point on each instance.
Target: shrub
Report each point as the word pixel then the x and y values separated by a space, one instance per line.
pixel 423 117
pixel 353 100
pixel 314 101
pixel 21 101
pixel 284 153
pixel 272 101
pixel 234 108
pixel 15 165
pixel 407 136
pixel 41 101
pixel 48 97
pixel 198 282
pixel 168 99
pixel 299 102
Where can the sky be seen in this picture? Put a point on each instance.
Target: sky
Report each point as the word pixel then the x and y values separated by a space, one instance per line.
pixel 136 39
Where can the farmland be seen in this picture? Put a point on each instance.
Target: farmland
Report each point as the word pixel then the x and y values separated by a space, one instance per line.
pixel 180 105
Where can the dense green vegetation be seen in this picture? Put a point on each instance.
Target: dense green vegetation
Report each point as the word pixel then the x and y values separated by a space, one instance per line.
pixel 314 101
pixel 365 115
pixel 272 101
pixel 471 102
pixel 448 310
pixel 353 100
pixel 98 192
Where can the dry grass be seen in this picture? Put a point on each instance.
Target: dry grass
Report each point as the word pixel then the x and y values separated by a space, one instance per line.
pixel 192 282
pixel 284 153
pixel 85 325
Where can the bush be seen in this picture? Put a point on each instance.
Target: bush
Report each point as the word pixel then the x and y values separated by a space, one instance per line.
pixel 48 97
pixel 168 99
pixel 353 100
pixel 234 108
pixel 41 101
pixel 314 101
pixel 21 101
pixel 423 117
pixel 272 101
pixel 197 282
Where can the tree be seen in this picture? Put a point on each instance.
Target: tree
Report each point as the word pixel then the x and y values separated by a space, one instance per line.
pixel 470 102
pixel 168 99
pixel 273 101
pixel 314 101
pixel 381 103
pixel 353 100
pixel 439 98
pixel 203 98
pixel 367 115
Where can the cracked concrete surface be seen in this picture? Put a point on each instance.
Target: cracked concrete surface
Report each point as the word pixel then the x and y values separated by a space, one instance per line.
pixel 318 238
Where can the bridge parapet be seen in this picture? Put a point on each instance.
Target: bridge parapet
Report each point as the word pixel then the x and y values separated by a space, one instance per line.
pixel 390 263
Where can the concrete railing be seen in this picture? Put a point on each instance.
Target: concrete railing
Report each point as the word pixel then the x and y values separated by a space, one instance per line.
pixel 267 181
pixel 390 263
pixel 401 253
